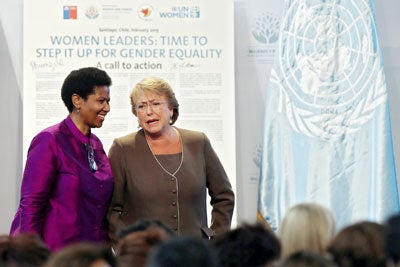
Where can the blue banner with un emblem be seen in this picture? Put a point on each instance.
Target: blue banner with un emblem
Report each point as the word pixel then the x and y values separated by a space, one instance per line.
pixel 327 135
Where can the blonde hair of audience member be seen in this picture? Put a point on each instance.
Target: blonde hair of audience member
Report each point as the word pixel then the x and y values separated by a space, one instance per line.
pixel 306 226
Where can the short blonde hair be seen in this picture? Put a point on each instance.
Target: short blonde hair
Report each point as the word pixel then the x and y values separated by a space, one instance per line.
pixel 158 86
pixel 306 226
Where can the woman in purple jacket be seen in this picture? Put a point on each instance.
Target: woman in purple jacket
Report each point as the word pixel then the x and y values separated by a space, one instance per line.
pixel 68 182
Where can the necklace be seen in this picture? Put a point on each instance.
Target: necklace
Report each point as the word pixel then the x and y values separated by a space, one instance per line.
pixel 174 177
pixel 159 163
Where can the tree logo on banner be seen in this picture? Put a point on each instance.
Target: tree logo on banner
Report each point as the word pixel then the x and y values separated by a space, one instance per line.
pixel 266 28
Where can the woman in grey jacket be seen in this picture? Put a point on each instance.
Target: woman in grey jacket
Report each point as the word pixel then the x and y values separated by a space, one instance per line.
pixel 163 172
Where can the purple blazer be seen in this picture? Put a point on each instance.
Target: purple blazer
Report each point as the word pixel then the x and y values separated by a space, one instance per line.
pixel 61 199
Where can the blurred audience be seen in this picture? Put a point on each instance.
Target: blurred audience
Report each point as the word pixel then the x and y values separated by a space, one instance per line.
pixel 305 240
pixel 23 250
pixel 248 245
pixel 306 226
pixel 360 244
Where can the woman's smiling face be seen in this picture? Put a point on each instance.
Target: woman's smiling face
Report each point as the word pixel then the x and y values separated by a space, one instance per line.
pixel 94 109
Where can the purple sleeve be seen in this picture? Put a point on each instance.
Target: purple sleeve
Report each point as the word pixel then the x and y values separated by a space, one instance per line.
pixel 39 175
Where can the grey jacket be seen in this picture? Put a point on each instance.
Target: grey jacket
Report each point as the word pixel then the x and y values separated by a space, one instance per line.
pixel 143 190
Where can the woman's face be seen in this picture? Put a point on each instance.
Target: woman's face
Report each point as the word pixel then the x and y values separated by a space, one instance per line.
pixel 94 109
pixel 153 113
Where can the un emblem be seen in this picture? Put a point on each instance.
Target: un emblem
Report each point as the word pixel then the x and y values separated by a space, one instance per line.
pixel 328 68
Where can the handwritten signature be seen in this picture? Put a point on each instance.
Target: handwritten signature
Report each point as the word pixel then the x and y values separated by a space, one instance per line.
pixel 51 65
pixel 184 65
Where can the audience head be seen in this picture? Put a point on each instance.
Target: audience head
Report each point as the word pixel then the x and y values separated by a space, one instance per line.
pixel 137 240
pixel 392 240
pixel 306 226
pixel 360 244
pixel 23 250
pixel 183 252
pixel 248 245
pixel 82 255
pixel 307 259
pixel 144 224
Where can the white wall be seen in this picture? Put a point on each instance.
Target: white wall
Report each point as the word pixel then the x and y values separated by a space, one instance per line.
pixel 10 108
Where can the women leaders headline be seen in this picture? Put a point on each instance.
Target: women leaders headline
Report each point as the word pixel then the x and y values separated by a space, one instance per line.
pixel 92 46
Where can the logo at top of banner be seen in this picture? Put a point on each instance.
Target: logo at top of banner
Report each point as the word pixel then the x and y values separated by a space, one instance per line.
pixel 145 12
pixel 70 12
pixel 181 12
pixel 328 68
pixel 266 28
pixel 92 12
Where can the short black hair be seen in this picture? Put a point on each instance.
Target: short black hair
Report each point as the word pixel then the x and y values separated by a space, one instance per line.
pixel 248 245
pixel 183 251
pixel 83 82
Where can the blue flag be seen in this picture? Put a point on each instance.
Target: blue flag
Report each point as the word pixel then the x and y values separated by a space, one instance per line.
pixel 327 135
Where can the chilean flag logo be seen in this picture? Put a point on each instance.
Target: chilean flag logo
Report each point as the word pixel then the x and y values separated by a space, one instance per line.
pixel 70 12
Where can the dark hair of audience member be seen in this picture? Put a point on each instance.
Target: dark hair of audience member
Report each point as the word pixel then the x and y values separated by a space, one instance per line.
pixel 360 244
pixel 248 245
pixel 307 259
pixel 392 240
pixel 82 255
pixel 183 252
pixel 23 250
pixel 142 225
pixel 136 241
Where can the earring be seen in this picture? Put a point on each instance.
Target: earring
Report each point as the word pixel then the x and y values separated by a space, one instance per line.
pixel 170 120
pixel 77 110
